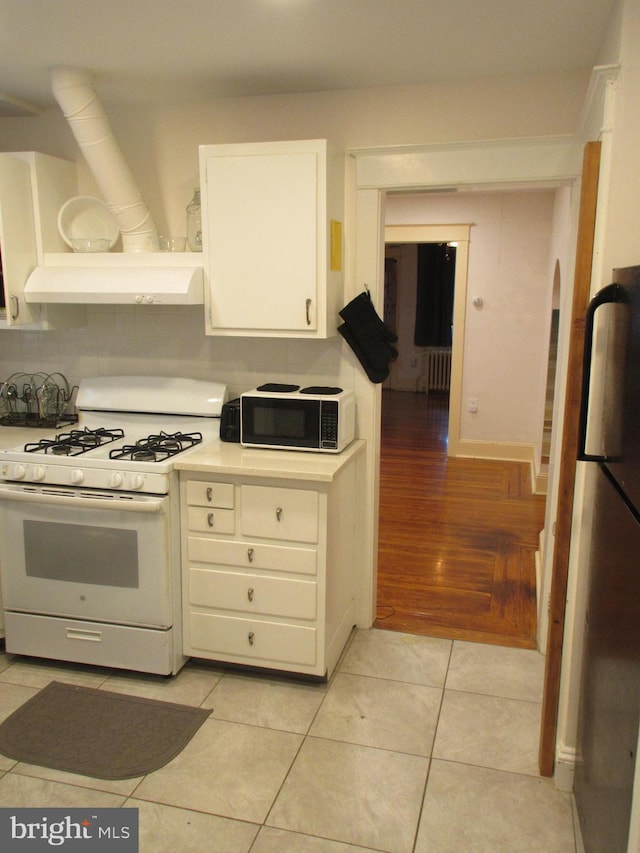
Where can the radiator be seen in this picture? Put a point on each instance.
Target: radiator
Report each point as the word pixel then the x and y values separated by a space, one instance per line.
pixel 436 371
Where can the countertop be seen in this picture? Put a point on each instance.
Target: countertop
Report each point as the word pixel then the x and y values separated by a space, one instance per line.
pixel 228 458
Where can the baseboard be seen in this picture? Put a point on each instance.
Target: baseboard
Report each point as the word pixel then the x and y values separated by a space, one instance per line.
pixel 566 760
pixel 510 452
pixel 539 480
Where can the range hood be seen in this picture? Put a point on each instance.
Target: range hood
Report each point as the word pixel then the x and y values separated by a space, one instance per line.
pixel 117 284
pixel 134 276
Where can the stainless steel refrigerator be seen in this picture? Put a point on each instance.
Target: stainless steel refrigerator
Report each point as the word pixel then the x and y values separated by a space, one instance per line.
pixel 609 711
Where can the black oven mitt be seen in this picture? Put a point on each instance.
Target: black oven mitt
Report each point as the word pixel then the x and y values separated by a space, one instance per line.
pixel 361 316
pixel 369 338
pixel 373 373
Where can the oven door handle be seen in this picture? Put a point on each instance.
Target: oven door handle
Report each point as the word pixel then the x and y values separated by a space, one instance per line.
pixel 84 501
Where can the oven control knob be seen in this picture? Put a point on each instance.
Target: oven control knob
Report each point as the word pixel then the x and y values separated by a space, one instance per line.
pixel 115 480
pixel 37 473
pixel 18 472
pixel 136 481
pixel 77 476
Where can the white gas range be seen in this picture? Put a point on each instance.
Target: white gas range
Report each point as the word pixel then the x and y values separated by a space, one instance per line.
pixel 89 525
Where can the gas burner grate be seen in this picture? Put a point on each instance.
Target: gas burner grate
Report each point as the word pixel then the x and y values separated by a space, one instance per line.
pixel 157 448
pixel 75 442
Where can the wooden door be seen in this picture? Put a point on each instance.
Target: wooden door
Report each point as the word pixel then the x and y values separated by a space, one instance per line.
pixel 567 471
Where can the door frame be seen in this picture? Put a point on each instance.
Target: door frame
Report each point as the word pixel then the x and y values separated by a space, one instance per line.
pixel 532 163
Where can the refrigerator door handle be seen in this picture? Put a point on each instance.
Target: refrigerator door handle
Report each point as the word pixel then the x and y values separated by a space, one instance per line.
pixel 610 293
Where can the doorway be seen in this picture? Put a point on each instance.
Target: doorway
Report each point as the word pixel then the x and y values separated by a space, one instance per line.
pixel 378 175
pixel 419 291
pixel 411 361
pixel 458 536
pixel 456 556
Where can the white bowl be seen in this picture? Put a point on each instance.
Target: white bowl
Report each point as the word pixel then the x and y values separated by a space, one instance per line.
pixel 87 218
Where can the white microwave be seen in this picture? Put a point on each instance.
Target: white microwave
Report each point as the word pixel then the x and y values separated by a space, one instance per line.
pixel 286 417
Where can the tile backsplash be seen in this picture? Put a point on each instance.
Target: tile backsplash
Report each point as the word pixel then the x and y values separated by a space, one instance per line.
pixel 153 340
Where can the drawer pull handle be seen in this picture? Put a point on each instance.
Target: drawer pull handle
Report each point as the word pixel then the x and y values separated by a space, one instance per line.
pixel 79 634
pixel 210 519
pixel 279 513
pixel 250 554
pixel 250 593
pixel 251 638
pixel 209 494
pixel 308 309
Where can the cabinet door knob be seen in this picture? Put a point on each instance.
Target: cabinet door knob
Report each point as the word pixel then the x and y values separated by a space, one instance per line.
pixel 15 310
pixel 209 493
pixel 250 637
pixel 308 308
pixel 250 554
pixel 279 513
pixel 210 519
pixel 250 593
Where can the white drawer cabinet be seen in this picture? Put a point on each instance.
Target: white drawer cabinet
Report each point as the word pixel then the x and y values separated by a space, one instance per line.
pixel 275 589
pixel 253 593
pixel 210 507
pixel 276 513
pixel 211 520
pixel 252 555
pixel 205 493
pixel 238 639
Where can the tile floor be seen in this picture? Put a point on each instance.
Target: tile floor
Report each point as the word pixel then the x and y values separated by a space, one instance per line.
pixel 416 744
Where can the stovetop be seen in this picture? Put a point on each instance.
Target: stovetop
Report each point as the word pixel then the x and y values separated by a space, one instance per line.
pixel 106 457
pixel 121 450
pixel 75 442
pixel 155 447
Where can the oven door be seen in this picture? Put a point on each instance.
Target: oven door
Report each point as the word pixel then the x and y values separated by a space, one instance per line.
pixel 85 555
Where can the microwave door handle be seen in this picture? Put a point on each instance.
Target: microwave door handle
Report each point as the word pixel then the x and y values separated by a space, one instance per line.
pixel 612 293
pixel 82 502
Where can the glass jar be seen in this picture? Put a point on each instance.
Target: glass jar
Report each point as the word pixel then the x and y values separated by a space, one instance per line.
pixel 194 222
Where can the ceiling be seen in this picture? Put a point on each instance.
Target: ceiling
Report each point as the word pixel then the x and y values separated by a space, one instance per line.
pixel 152 50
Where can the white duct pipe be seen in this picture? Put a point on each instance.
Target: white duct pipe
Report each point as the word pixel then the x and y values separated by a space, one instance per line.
pixel 73 89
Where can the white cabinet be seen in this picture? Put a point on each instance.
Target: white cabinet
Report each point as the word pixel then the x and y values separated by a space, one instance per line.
pixel 272 238
pixel 33 186
pixel 275 589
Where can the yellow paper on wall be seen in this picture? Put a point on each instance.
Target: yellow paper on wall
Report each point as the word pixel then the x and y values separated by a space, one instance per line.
pixel 336 246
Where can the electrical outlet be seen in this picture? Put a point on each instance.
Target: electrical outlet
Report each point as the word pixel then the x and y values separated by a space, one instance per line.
pixel 473 404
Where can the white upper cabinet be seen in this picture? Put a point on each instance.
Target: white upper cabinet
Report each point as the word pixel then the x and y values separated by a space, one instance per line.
pixel 32 188
pixel 272 238
pixel 17 237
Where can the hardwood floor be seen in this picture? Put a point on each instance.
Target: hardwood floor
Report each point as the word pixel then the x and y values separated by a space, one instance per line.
pixel 457 537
